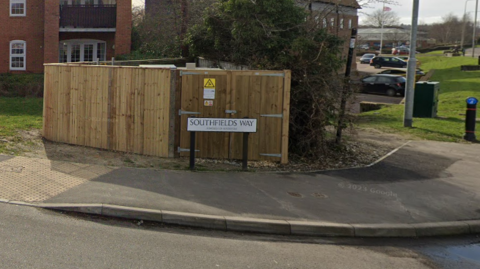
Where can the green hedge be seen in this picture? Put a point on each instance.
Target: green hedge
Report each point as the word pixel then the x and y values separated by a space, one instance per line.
pixel 21 85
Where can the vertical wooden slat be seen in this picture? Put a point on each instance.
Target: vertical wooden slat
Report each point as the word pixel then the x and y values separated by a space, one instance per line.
pixel 286 115
pixel 147 147
pixel 111 108
pixel 105 106
pixel 178 119
pixel 171 113
pixel 88 106
pixel 74 106
pixel 129 111
pixel 82 103
pixel 139 85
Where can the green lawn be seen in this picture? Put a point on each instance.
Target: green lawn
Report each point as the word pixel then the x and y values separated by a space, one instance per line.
pixel 19 114
pixel 435 52
pixel 455 87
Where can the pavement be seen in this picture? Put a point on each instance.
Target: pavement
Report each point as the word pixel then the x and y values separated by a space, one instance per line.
pixel 423 188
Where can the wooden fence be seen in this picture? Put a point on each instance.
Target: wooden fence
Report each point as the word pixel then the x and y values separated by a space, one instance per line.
pixel 115 108
pixel 145 110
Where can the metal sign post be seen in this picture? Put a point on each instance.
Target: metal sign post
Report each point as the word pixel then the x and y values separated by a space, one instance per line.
pixel 471 119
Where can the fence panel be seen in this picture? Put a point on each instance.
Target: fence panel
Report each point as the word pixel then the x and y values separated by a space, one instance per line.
pixel 115 108
pixel 254 94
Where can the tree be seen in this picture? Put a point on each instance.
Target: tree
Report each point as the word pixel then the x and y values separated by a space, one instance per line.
pixel 277 34
pixel 380 17
pixel 449 30
pixel 160 32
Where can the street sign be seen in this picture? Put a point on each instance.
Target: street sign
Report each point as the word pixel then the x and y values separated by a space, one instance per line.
pixel 222 125
pixel 472 101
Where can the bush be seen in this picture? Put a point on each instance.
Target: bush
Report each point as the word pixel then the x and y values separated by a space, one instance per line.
pixel 21 85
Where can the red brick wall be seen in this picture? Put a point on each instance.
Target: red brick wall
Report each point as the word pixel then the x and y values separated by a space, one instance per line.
pixel 29 29
pixel 42 46
pixel 52 15
pixel 123 36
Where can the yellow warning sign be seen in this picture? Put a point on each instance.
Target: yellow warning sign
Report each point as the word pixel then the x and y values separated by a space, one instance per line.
pixel 209 83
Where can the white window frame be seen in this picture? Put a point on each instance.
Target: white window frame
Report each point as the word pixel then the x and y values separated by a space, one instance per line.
pixel 23 55
pixel 24 2
pixel 82 43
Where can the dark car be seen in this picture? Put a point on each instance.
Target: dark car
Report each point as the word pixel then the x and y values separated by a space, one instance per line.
pixel 381 61
pixel 390 85
pixel 366 58
pixel 403 72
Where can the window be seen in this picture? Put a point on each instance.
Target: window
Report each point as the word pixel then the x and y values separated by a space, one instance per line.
pixel 75 55
pixel 88 53
pixel 18 8
pixel 17 55
pixel 350 24
pixel 341 23
pixel 383 80
pixel 82 50
pixel 369 79
pixel 324 22
pixel 101 48
pixel 332 22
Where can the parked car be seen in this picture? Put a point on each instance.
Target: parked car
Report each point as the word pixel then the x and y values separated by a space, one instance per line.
pixel 364 46
pixel 365 59
pixel 400 51
pixel 381 61
pixel 405 58
pixel 403 72
pixel 390 85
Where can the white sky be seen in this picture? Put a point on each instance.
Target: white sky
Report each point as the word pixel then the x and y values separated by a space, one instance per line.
pixel 430 10
pixel 138 2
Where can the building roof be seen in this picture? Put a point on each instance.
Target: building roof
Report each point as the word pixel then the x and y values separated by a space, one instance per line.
pixel 389 33
pixel 347 3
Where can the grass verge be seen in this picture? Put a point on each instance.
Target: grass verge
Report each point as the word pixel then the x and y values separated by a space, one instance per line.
pixel 17 114
pixel 455 87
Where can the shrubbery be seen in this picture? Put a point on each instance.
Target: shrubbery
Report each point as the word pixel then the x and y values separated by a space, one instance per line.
pixel 21 85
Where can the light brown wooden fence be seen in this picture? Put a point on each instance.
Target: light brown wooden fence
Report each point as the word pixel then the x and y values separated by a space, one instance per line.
pixel 145 110
pixel 261 95
pixel 116 108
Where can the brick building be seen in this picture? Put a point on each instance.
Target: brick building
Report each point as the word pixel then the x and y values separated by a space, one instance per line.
pixel 49 31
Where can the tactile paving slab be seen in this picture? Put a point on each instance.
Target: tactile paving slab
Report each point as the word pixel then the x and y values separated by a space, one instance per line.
pixel 36 180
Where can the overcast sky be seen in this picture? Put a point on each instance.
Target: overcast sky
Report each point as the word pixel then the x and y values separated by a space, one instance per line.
pixel 430 10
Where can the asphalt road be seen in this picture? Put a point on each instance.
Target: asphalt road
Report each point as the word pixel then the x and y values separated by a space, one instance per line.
pixel 33 238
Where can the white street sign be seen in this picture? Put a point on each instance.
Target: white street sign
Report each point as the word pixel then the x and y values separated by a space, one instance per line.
pixel 222 125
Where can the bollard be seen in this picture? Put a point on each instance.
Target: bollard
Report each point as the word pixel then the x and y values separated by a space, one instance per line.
pixel 471 118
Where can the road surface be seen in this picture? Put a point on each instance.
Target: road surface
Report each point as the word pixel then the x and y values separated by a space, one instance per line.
pixel 34 238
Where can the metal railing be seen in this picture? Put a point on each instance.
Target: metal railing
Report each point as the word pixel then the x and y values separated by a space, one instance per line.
pixel 88 16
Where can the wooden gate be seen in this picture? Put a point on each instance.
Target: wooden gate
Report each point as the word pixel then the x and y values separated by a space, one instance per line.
pixel 261 95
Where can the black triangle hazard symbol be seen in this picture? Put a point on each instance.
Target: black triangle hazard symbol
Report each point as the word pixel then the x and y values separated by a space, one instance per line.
pixel 209 84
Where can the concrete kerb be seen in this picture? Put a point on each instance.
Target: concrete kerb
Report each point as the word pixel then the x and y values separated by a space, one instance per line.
pixel 281 227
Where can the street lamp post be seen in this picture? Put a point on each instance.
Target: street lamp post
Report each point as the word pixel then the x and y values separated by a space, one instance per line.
pixel 411 67
pixel 474 29
pixel 464 23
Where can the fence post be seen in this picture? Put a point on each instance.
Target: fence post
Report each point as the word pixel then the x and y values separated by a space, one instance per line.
pixel 245 151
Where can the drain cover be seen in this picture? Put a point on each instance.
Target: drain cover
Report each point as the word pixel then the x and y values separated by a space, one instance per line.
pixel 294 194
pixel 320 195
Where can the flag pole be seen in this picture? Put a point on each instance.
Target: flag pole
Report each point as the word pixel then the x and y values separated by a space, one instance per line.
pixel 381 25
